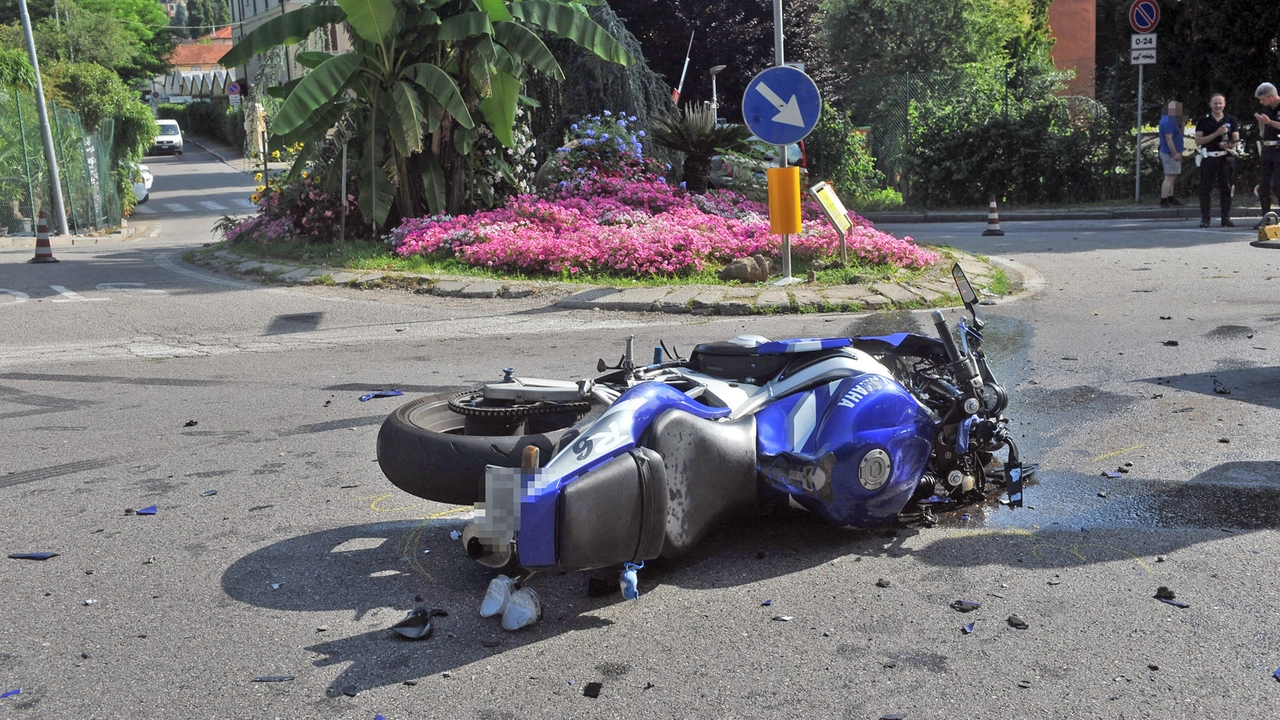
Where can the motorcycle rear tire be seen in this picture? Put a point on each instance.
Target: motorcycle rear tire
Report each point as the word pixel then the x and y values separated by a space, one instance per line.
pixel 422 449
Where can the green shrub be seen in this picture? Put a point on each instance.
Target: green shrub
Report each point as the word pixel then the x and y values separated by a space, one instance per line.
pixel 837 152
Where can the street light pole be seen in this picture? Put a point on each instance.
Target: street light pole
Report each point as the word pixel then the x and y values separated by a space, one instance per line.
pixel 715 99
pixel 55 183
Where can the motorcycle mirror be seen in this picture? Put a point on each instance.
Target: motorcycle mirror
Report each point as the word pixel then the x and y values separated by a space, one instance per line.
pixel 968 295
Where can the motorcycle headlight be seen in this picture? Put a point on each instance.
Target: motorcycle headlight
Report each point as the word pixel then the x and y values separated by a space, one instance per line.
pixel 874 470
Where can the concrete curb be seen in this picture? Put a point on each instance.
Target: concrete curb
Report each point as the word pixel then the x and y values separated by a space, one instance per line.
pixel 1248 214
pixel 933 288
pixel 124 234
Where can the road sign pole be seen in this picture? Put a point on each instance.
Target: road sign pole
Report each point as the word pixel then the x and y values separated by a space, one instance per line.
pixel 1137 173
pixel 782 149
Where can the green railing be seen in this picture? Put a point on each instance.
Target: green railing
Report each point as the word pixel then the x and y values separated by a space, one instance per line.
pixel 89 186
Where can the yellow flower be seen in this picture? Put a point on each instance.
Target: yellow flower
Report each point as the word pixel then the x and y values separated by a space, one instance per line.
pixel 304 174
pixel 254 198
pixel 275 154
pixel 257 177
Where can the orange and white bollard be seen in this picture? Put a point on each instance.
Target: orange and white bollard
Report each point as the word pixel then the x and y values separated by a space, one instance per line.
pixel 993 220
pixel 44 251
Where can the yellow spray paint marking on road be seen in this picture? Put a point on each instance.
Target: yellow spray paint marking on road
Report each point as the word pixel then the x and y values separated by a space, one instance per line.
pixel 377 501
pixel 411 548
pixel 1075 551
pixel 1118 452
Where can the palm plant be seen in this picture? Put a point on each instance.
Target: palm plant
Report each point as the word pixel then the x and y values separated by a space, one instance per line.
pixel 695 133
pixel 418 73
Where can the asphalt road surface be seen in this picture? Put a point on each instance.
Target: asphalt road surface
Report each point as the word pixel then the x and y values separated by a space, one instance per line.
pixel 130 379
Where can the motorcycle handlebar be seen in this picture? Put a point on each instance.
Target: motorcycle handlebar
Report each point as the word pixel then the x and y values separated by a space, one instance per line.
pixel 944 334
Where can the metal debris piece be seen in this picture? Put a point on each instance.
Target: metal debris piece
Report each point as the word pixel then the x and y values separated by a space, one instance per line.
pixel 380 394
pixel 417 624
pixel 1111 474
pixel 1166 317
pixel 90 602
pixel 1175 603
pixel 256 508
pixel 208 493
pixel 1016 621
pixel 273 678
pixel 148 510
pixel 276 586
pixel 592 690
pixel 1153 667
pixel 783 618
pixel 884 583
pixel 1055 582
pixel 190 423
pixel 455 535
pixel 965 606
pixel 33 556
pixel 1224 441
pixel 491 643
pixel 893 716
pixel 1024 684
pixel 1170 343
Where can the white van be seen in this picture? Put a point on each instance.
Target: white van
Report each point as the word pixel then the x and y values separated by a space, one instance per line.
pixel 169 139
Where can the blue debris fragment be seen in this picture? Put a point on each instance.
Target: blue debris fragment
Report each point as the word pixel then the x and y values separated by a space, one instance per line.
pixel 11 693
pixel 380 394
pixel 766 603
pixel 148 510
pixel 628 581
pixel 1277 675
pixel 33 556
pixel 1111 474
pixel 968 629
pixel 379 717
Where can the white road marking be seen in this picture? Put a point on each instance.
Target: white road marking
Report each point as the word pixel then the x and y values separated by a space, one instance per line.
pixel 246 204
pixel 143 210
pixel 177 207
pixel 70 296
pixel 20 297
pixel 212 205
pixel 133 288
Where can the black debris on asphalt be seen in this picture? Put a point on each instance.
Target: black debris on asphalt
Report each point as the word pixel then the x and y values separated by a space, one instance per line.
pixel 592 690
pixel 882 582
pixel 1170 343
pixel 417 624
pixel 273 678
pixel 965 606
pixel 190 423
pixel 783 618
pixel 1016 621
pixel 1219 388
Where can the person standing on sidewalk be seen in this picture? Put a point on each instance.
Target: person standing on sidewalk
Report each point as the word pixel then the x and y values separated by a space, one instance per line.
pixel 1217 134
pixel 1171 146
pixel 1268 147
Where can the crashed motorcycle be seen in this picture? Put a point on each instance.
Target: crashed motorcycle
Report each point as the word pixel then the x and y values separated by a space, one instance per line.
pixel 644 460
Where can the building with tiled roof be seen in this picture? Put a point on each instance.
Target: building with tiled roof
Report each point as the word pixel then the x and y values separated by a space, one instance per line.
pixel 198 56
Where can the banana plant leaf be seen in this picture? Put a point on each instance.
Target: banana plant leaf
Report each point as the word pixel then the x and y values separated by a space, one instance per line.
pixel 375 188
pixel 323 85
pixel 527 47
pixel 433 184
pixel 287 29
pixel 570 24
pixel 406 118
pixel 497 9
pixel 499 108
pixel 312 59
pixel 463 26
pixel 371 19
pixel 439 85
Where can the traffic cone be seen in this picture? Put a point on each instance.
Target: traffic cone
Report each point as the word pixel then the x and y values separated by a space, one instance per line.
pixel 44 251
pixel 993 220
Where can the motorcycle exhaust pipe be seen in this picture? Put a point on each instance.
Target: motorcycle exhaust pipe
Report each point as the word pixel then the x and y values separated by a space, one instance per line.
pixel 478 539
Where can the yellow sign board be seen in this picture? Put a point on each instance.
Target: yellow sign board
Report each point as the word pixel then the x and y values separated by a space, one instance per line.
pixel 830 202
pixel 784 201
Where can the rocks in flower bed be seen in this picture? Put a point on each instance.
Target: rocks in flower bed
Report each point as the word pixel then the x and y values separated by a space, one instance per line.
pixel 754 269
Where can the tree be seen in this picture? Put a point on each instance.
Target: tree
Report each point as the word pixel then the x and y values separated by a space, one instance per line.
pixel 180 20
pixel 735 33
pixel 128 36
pixel 409 89
pixel 696 134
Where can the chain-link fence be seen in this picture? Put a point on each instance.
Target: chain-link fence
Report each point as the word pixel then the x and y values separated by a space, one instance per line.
pixel 1037 133
pixel 89 188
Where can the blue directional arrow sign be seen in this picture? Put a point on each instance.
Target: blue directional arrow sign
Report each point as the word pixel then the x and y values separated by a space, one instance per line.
pixel 781 105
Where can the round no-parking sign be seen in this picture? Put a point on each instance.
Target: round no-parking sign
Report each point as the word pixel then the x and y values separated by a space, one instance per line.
pixel 1144 15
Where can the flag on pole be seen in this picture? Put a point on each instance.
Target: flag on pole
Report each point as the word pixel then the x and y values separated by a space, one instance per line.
pixel 675 94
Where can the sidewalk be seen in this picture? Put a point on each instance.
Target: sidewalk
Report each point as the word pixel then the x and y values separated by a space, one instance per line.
pixel 231 155
pixel 124 233
pixel 1245 214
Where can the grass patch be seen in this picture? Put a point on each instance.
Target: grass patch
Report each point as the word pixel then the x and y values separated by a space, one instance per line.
pixel 1000 284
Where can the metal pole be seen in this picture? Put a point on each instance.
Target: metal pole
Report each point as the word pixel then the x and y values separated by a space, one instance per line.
pixel 342 227
pixel 59 213
pixel 1137 173
pixel 782 149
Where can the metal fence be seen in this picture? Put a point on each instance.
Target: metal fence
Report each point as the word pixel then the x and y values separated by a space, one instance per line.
pixel 90 193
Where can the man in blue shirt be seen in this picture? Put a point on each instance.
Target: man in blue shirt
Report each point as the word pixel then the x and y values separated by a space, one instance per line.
pixel 1171 152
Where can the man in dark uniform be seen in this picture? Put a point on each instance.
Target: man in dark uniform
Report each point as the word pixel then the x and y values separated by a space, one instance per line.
pixel 1217 134
pixel 1269 147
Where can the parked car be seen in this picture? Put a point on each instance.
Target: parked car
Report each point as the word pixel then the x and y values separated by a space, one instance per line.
pixel 169 139
pixel 142 184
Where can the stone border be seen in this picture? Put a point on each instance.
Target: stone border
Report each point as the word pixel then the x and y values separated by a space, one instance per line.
pixel 933 288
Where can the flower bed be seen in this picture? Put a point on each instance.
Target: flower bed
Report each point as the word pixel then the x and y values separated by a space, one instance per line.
pixel 637 227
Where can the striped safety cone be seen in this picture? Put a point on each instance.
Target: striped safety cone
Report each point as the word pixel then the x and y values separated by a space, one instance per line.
pixel 44 251
pixel 993 220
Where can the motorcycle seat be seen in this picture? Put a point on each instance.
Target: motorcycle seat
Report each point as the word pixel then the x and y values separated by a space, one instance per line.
pixel 738 360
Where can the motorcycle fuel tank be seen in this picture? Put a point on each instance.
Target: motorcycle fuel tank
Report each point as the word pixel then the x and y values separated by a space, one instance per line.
pixel 851 451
